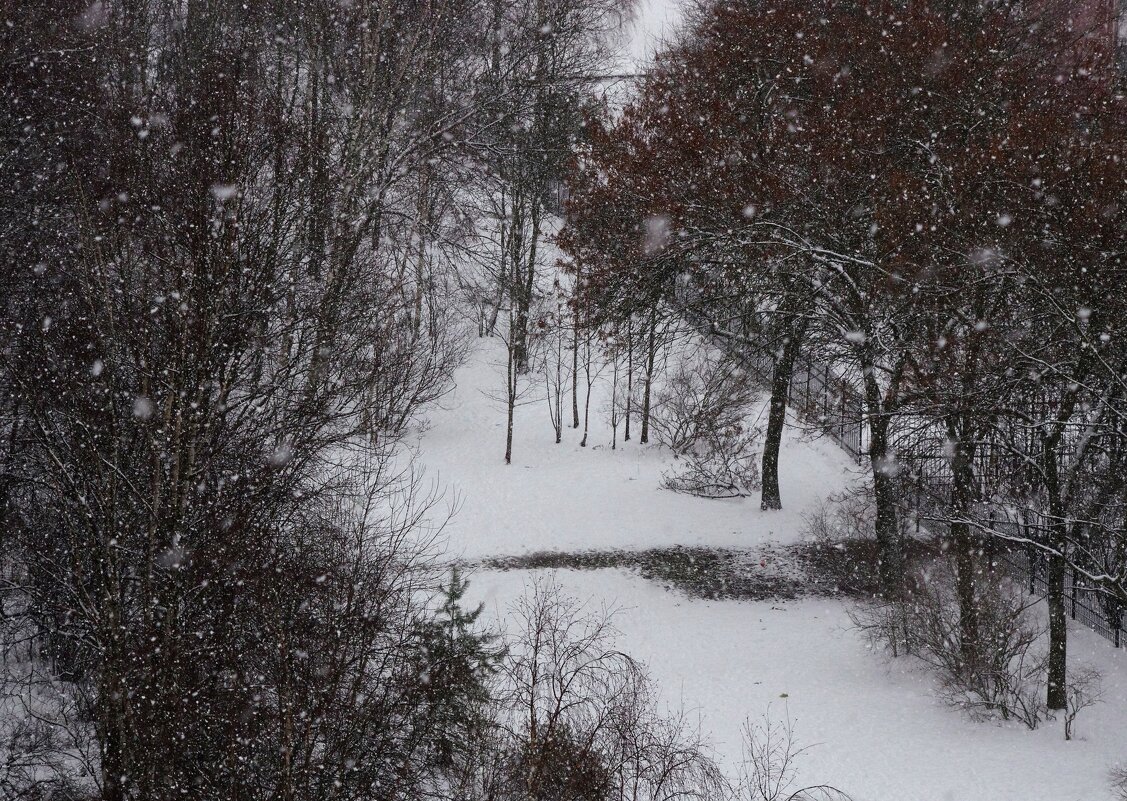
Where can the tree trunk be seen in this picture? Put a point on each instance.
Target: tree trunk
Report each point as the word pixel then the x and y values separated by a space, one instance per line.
pixel 770 496
pixel 511 396
pixel 629 378
pixel 1057 696
pixel 890 558
pixel 965 543
pixel 587 397
pixel 575 366
pixel 523 289
pixel 651 353
pixel 557 424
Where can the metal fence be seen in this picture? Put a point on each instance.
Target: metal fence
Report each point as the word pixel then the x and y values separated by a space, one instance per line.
pixel 824 402
pixel 828 404
pixel 1096 610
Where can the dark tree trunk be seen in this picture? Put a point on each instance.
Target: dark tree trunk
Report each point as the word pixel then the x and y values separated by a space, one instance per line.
pixel 770 497
pixel 629 377
pixel 1057 695
pixel 575 368
pixel 966 546
pixel 651 353
pixel 511 398
pixel 587 396
pixel 890 557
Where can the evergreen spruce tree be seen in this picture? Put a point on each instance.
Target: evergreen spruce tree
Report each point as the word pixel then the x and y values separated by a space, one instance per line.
pixel 457 661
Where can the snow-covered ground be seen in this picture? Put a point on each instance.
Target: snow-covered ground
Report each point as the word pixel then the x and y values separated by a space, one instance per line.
pixel 879 732
pixel 565 498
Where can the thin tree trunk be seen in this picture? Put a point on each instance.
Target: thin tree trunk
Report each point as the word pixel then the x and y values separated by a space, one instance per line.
pixel 510 388
pixel 558 422
pixel 587 397
pixel 651 353
pixel 614 406
pixel 629 376
pixel 966 546
pixel 575 368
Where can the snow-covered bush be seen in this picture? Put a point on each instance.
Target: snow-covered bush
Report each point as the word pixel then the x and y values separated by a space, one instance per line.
pixel 724 467
pixel 701 412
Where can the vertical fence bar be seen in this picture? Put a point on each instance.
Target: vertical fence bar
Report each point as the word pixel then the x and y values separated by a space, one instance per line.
pixel 826 399
pixel 841 415
pixel 1074 578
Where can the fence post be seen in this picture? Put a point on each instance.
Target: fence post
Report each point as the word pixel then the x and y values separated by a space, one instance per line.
pixel 991 545
pixel 826 399
pixel 1074 578
pixel 841 415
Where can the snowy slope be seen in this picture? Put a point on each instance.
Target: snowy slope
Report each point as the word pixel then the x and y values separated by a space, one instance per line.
pixel 878 731
pixel 563 497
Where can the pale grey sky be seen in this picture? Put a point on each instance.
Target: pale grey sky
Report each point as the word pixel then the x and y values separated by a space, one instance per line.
pixel 653 17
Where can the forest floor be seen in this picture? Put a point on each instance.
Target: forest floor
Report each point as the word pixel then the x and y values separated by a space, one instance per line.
pixel 734 609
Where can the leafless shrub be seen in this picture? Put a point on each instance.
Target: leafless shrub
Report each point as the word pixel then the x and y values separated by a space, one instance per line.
pixel 770 764
pixel 885 624
pixel 1118 778
pixel 700 413
pixel 706 393
pixel 579 718
pixel 821 792
pixel 47 749
pixel 1083 690
pixel 770 755
pixel 841 518
pixel 1001 675
pixel 724 466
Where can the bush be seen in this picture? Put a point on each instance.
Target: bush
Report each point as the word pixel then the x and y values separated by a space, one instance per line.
pixel 724 467
pixel 1119 783
pixel 577 719
pixel 1002 676
pixel 769 770
pixel 700 413
pixel 841 518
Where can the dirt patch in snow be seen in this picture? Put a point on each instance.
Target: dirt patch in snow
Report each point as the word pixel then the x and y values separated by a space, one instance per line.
pixel 769 572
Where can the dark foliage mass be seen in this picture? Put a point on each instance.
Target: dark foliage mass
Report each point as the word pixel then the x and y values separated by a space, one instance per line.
pixel 226 295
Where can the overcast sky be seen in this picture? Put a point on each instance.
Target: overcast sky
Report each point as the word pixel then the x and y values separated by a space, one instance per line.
pixel 653 17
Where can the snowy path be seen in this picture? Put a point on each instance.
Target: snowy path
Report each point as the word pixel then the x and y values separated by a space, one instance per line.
pixel 878 730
